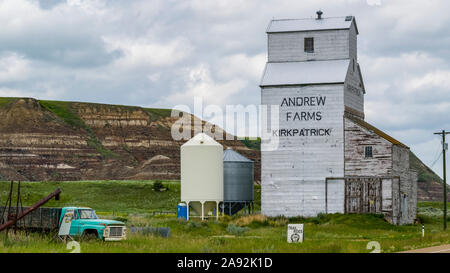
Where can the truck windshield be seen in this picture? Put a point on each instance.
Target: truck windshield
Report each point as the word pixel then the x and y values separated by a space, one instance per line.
pixel 87 214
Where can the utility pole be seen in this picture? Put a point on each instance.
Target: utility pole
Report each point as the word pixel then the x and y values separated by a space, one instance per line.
pixel 444 148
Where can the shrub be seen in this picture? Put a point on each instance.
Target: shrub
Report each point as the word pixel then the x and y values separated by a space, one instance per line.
pixel 193 225
pixel 236 230
pixel 430 211
pixel 158 186
pixel 121 219
pixel 247 220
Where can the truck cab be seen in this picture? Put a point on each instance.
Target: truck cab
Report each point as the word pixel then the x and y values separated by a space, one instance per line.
pixel 85 223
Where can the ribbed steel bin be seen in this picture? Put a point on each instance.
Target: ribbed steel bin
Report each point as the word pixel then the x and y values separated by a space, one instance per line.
pixel 237 181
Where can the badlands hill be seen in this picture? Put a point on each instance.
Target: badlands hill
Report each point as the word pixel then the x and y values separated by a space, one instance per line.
pixel 55 140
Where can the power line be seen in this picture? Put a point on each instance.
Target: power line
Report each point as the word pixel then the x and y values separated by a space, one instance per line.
pixel 439 156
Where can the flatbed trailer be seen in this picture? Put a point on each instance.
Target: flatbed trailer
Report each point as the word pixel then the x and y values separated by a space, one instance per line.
pixel 41 218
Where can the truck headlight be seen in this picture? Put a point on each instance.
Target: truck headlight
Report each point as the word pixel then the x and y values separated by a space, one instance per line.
pixel 106 233
pixel 124 231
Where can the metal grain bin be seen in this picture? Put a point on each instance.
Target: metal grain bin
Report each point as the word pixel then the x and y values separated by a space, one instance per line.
pixel 237 177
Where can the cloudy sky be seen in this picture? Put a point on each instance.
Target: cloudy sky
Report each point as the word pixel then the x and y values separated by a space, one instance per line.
pixel 163 53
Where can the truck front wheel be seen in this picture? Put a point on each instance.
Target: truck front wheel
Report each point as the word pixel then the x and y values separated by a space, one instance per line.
pixel 89 235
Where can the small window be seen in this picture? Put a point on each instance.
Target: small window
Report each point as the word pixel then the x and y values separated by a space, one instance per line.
pixel 309 45
pixel 368 151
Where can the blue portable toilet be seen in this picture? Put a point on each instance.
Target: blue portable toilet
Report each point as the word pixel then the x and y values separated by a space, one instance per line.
pixel 182 211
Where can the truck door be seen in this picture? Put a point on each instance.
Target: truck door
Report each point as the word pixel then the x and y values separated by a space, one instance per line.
pixel 75 225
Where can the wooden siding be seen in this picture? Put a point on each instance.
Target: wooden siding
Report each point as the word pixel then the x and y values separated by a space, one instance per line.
pixel 307 175
pixel 408 184
pixel 353 91
pixel 335 192
pixel 293 175
pixel 289 46
pixel 356 139
pixel 363 195
pixel 353 42
pixel 388 160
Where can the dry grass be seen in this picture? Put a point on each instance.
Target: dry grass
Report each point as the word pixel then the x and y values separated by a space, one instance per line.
pixel 249 219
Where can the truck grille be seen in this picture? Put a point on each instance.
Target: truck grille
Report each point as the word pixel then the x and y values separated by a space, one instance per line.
pixel 115 231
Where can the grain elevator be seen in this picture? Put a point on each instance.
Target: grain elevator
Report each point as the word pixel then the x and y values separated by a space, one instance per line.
pixel 329 159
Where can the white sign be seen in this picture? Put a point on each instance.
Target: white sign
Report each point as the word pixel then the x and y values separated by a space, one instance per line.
pixel 66 222
pixel 295 233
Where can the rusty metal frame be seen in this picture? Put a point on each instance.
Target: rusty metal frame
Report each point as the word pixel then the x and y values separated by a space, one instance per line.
pixel 30 209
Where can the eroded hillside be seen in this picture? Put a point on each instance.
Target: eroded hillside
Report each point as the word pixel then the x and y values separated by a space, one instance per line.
pixel 54 140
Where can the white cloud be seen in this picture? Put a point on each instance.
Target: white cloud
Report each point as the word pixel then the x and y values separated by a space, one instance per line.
pixel 242 66
pixel 143 52
pixel 435 79
pixel 43 93
pixel 199 83
pixel 13 67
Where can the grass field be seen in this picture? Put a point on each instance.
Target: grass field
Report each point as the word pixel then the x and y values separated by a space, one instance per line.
pixel 135 202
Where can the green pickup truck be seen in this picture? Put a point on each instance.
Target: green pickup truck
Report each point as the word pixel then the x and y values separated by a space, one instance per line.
pixel 84 223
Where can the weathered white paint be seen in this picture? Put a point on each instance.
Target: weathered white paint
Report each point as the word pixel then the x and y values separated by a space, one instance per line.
pixel 356 164
pixel 326 23
pixel 354 91
pixel 386 195
pixel 408 183
pixel 298 73
pixel 289 46
pixel 399 196
pixel 293 176
pixel 353 42
pixel 335 196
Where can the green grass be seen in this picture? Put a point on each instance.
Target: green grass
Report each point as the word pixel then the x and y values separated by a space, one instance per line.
pixel 4 101
pixel 64 111
pixel 135 202
pixel 156 113
pixel 104 196
pixel 252 143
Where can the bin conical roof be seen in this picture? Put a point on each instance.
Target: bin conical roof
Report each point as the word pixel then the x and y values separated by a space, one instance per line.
pixel 201 139
pixel 229 155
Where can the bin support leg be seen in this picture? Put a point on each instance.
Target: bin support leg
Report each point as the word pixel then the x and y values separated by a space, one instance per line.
pixel 217 211
pixel 203 210
pixel 188 211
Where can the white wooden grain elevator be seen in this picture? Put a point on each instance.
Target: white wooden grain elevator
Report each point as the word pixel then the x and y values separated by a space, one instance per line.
pixel 328 159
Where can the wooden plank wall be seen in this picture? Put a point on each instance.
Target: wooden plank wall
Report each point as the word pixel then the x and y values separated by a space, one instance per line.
pixel 356 139
pixel 408 184
pixel 335 192
pixel 289 46
pixel 293 175
pixel 388 160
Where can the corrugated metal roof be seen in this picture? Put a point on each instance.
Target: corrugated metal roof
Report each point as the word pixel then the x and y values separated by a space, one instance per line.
pixel 230 155
pixel 293 25
pixel 377 131
pixel 314 72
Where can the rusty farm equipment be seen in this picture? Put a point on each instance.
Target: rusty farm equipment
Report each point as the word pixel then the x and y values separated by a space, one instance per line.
pixel 14 215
